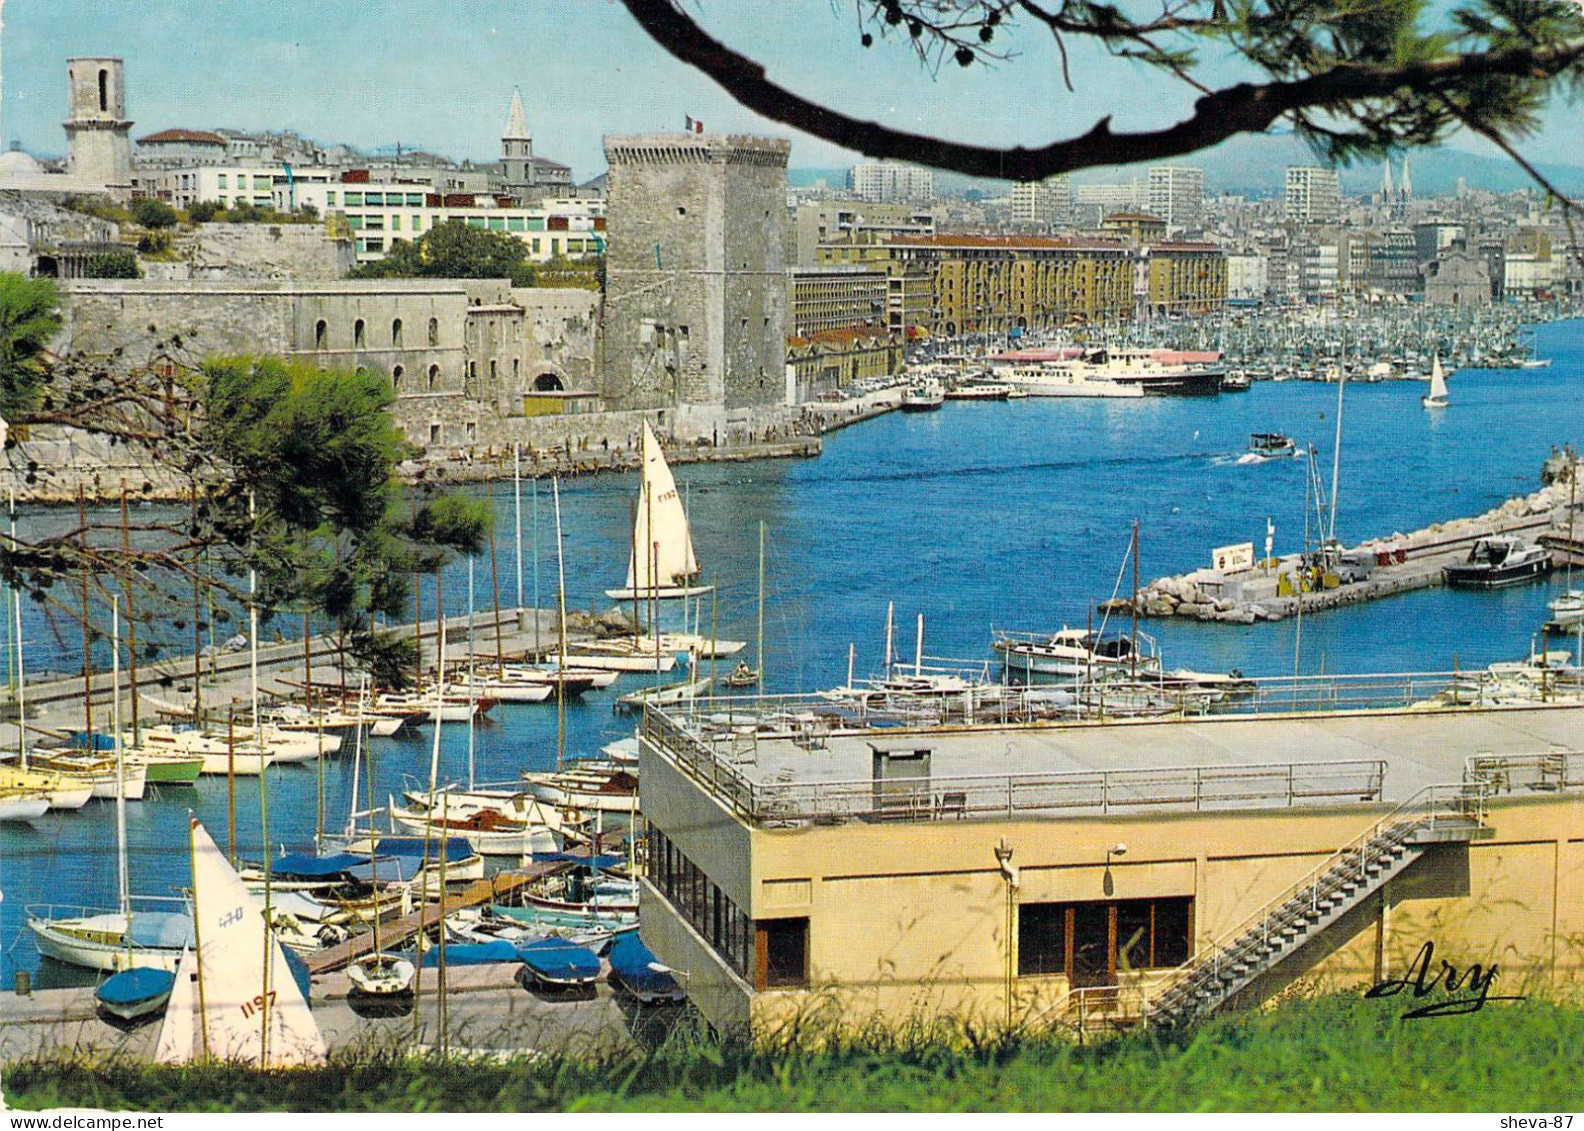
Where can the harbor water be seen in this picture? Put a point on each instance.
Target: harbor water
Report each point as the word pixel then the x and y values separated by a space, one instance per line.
pixel 1007 515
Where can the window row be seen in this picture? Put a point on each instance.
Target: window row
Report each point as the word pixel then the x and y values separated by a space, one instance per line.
pixel 701 902
pixel 360 334
pixel 1091 942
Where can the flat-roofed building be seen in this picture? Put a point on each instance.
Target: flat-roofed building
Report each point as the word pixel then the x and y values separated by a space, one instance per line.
pixel 808 862
pixel 835 298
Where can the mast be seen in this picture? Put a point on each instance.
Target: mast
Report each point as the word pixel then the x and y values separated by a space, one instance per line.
pixel 258 741
pixel 555 485
pixel 21 674
pixel 1336 454
pixel 517 515
pixel 890 609
pixel 759 644
pixel 472 677
pixel 918 649
pixel 500 650
pixel 126 551
pixel 87 627
pixel 123 884
pixel 538 646
pixel 1133 643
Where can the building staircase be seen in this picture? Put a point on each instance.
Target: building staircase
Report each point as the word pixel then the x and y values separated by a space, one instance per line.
pixel 1437 815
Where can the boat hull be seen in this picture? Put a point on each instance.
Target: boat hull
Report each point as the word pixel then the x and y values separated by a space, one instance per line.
pixel 23 808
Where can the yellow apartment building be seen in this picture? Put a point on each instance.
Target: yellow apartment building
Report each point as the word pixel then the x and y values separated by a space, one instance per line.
pixel 1006 869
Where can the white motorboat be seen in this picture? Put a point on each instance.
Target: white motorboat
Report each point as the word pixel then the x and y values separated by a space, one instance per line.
pixel 1497 561
pixel 662 565
pixel 1264 446
pixel 923 396
pixel 1074 653
pixel 1101 371
pixel 1567 609
pixel 382 975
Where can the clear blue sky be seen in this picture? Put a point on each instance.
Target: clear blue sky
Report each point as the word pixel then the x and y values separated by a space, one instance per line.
pixel 438 74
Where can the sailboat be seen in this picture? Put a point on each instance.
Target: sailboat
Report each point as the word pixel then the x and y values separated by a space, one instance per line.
pixel 667 568
pixel 250 1010
pixel 124 938
pixel 1437 396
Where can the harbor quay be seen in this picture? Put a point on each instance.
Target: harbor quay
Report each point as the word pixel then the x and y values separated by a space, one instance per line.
pixel 1237 588
pixel 810 865
pixel 486 1011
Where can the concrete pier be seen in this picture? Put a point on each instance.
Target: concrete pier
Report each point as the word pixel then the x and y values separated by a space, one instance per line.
pixel 1400 562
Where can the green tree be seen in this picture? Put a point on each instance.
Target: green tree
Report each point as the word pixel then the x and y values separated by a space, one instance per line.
pixel 29 318
pixel 454 250
pixel 153 213
pixel 112 265
pixel 1351 77
pixel 203 211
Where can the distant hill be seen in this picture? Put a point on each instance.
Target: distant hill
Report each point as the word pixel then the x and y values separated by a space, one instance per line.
pixel 1256 165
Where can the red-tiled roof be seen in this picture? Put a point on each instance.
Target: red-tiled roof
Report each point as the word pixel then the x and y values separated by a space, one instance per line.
pixel 1054 243
pixel 202 136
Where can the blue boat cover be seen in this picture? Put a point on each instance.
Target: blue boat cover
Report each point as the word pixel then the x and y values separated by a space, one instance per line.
pixel 472 954
pixel 456 848
pixel 82 740
pixel 390 870
pixel 141 983
pixel 311 866
pixel 601 862
pixel 632 962
pixel 167 930
pixel 559 961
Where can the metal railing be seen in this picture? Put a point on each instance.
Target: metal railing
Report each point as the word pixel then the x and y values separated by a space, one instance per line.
pixel 1462 802
pixel 1556 769
pixel 1071 793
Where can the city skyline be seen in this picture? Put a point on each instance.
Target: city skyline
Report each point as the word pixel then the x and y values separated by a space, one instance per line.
pixel 335 80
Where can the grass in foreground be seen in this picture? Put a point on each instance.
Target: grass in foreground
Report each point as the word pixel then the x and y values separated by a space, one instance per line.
pixel 1337 1053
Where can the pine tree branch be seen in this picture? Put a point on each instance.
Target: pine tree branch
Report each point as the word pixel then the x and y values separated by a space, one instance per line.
pixel 1217 116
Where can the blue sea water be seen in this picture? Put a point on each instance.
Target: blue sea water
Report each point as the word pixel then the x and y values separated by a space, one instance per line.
pixel 1006 515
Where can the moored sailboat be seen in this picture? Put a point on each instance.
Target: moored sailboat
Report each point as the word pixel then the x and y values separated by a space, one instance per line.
pixel 663 565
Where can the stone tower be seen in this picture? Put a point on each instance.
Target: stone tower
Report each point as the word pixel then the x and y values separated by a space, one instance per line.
pixel 98 134
pixel 517 145
pixel 695 309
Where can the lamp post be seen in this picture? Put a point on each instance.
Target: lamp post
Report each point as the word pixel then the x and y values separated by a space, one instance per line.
pixel 1115 850
pixel 1009 874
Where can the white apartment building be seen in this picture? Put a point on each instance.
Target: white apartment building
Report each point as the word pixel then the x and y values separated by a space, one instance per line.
pixel 1314 195
pixel 267 186
pixel 1176 195
pixel 1248 277
pixel 1042 204
pixel 892 181
pixel 381 213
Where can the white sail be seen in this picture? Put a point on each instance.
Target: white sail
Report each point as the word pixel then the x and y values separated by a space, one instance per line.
pixel 252 1010
pixel 175 1044
pixel 662 543
pixel 1438 385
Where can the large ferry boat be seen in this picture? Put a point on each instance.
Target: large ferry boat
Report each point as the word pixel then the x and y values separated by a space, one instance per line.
pixel 1107 372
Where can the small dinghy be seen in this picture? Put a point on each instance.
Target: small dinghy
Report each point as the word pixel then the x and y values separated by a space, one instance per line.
pixel 637 974
pixel 135 994
pixel 382 975
pixel 559 964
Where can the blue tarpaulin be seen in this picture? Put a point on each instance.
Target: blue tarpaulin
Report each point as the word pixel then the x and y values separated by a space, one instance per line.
pixel 601 862
pixel 456 848
pixel 313 867
pixel 168 930
pixel 472 954
pixel 141 983
pixel 633 964
pixel 553 960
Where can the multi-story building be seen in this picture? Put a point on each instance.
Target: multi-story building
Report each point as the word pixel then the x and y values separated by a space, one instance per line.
pixel 1176 194
pixel 1137 228
pixel 173 148
pixel 1033 876
pixel 228 185
pixel 818 222
pixel 695 309
pixel 892 181
pixel 1042 205
pixel 1185 277
pixel 1394 263
pixel 1248 277
pixel 981 283
pixel 835 298
pixel 822 363
pixel 1314 195
pixel 380 214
